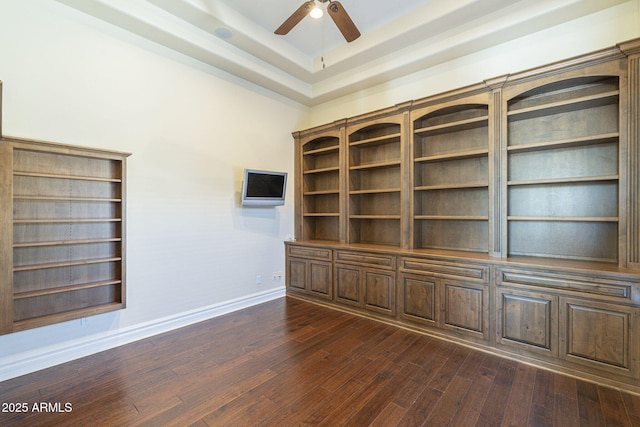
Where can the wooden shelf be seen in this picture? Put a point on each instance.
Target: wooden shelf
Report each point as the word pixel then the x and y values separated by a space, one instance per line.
pixel 322 214
pixel 374 217
pixel 453 217
pixel 322 170
pixel 65 264
pixel 65 221
pixel 570 180
pixel 64 289
pixel 35 322
pixel 452 186
pixel 67 199
pixel 384 139
pixel 59 176
pixel 454 126
pixel 583 102
pixel 323 150
pixel 65 242
pixel 376 191
pixel 321 192
pixel 565 143
pixel 378 165
pixel 453 156
pixel 564 218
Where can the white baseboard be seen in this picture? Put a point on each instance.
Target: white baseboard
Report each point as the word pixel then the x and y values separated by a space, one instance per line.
pixel 25 363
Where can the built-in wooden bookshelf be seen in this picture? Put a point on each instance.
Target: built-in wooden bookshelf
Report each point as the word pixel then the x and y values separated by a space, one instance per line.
pixel 563 178
pixel 321 188
pixel 67 228
pixel 503 215
pixel 375 183
pixel 318 184
pixel 451 177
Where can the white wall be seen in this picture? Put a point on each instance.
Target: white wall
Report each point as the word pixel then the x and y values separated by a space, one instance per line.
pixel 596 31
pixel 192 130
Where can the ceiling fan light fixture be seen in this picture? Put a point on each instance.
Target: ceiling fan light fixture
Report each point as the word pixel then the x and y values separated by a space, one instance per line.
pixel 335 10
pixel 316 12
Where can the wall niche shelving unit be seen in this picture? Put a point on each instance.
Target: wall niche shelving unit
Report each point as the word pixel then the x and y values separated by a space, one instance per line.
pixel 503 215
pixel 64 210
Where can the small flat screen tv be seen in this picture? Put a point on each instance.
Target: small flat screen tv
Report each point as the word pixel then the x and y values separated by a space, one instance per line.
pixel 263 188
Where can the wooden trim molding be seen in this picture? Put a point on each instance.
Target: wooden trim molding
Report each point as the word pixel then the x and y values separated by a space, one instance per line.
pixel 633 194
pixel 6 242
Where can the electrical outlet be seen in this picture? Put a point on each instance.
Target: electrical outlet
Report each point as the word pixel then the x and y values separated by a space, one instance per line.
pixel 84 321
pixel 276 276
pixel 258 279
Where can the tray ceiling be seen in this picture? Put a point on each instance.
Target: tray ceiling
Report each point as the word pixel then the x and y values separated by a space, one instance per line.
pixel 313 63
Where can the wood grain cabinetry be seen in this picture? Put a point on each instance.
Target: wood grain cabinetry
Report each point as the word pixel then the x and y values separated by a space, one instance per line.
pixel 503 215
pixel 66 234
pixel 585 320
pixel 452 296
pixel 599 335
pixel 527 321
pixel 309 271
pixel 366 280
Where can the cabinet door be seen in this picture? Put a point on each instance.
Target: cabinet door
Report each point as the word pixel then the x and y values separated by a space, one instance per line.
pixel 379 290
pixel 527 321
pixel 466 308
pixel 599 335
pixel 371 289
pixel 419 299
pixel 348 285
pixel 320 279
pixel 310 277
pixel 297 277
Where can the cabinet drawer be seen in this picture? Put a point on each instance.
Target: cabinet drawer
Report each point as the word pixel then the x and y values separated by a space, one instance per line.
pixel 443 268
pixel 567 283
pixel 366 259
pixel 308 252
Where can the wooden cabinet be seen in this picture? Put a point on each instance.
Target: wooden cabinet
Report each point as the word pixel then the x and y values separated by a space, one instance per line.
pixel 452 296
pixel 309 271
pixel 527 321
pixel 588 321
pixel 66 235
pixel 366 281
pixel 420 299
pixel 600 336
pixel 510 207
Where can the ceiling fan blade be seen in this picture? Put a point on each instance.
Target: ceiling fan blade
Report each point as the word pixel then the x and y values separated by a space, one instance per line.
pixel 295 17
pixel 343 21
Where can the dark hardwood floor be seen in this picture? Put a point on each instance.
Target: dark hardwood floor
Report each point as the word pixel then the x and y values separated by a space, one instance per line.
pixel 291 363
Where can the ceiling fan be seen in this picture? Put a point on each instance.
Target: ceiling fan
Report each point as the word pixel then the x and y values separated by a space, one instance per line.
pixel 335 10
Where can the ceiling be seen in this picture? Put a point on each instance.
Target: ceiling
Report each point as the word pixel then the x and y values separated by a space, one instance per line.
pixel 313 63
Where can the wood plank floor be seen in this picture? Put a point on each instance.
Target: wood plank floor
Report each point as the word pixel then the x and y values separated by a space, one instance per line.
pixel 291 363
